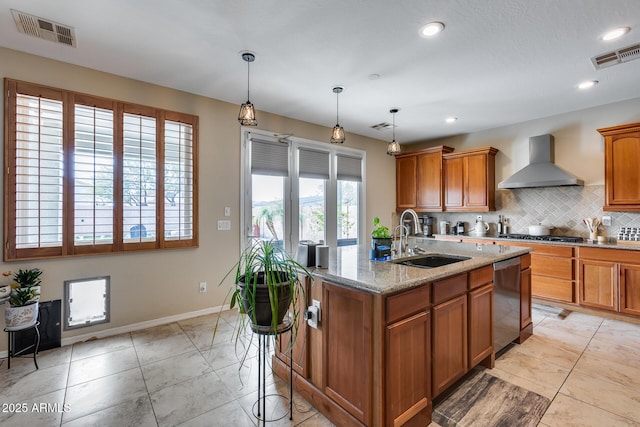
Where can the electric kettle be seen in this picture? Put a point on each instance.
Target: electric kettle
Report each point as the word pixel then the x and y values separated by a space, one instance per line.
pixel 480 228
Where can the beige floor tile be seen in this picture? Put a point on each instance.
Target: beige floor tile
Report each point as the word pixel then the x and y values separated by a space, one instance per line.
pixel 45 410
pixel 207 320
pixel 242 377
pixel 16 386
pixel 153 351
pixel 156 333
pixel 100 346
pixel 567 325
pixel 181 402
pixel 532 369
pixel 608 349
pixel 174 370
pixel 319 420
pixel 615 398
pixel 53 357
pixel 135 413
pixel 228 352
pixel 550 350
pixel 230 414
pixel 562 336
pixel 584 319
pixel 94 367
pixel 609 370
pixel 566 411
pixel 93 396
pixel 621 329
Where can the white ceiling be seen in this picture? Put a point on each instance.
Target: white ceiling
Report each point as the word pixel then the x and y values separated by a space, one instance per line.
pixel 498 62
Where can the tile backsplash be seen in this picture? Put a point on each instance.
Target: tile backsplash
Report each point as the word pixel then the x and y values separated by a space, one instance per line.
pixel 560 207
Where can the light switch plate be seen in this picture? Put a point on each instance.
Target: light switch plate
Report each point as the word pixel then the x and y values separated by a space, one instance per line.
pixel 224 225
pixel 227 211
pixel 606 220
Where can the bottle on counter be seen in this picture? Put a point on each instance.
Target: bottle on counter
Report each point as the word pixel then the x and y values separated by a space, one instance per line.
pixel 500 226
pixel 505 226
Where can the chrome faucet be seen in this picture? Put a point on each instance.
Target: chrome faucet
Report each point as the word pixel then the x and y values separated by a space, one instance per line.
pixel 416 222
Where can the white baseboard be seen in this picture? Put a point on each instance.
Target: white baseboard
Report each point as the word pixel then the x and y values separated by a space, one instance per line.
pixel 134 327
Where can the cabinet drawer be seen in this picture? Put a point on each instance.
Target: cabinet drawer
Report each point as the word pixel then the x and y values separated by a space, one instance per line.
pixel 548 287
pixel 446 289
pixel 480 276
pixel 613 255
pixel 550 266
pixel 404 304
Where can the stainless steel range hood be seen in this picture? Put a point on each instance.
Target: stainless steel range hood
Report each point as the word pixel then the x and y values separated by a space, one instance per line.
pixel 541 171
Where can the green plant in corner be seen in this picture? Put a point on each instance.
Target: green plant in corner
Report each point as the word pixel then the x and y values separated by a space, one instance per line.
pixel 379 231
pixel 267 283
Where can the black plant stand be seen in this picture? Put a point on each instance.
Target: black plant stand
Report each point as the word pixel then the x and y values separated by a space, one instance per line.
pixel 20 353
pixel 263 333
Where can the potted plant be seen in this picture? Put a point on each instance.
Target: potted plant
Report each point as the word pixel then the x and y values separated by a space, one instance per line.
pixel 267 282
pixel 380 235
pixel 23 301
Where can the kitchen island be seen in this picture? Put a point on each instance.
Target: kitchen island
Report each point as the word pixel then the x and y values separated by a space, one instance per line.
pixel 392 337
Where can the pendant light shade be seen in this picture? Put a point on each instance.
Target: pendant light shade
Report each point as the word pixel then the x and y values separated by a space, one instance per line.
pixel 337 136
pixel 394 148
pixel 247 115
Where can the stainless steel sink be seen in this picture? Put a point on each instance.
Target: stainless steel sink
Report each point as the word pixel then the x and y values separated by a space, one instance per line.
pixel 429 261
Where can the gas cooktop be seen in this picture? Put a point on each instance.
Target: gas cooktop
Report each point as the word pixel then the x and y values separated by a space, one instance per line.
pixel 568 239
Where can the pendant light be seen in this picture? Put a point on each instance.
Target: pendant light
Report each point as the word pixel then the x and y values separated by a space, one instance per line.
pixel 337 136
pixel 247 115
pixel 393 148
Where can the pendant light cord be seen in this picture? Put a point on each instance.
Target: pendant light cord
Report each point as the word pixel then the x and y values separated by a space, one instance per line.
pixel 337 115
pixel 394 127
pixel 248 68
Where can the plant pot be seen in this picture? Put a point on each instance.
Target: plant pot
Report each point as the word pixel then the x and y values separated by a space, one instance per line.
pixel 380 241
pixel 16 318
pixel 261 302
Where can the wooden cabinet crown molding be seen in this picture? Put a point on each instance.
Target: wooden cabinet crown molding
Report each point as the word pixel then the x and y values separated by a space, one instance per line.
pixel 614 130
pixel 437 149
pixel 481 150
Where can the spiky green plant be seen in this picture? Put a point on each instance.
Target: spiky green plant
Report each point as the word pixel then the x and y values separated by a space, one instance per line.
pixel 28 278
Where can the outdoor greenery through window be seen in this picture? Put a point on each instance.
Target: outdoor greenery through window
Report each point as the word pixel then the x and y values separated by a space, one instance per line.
pixel 86 175
pixel 299 190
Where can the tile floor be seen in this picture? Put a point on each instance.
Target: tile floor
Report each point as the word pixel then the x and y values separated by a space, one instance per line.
pixel 169 375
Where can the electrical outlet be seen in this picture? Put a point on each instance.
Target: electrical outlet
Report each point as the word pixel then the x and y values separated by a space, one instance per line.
pixel 203 286
pixel 316 303
pixel 606 220
pixel 224 224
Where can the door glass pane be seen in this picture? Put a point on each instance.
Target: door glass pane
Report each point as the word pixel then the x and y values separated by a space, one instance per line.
pixel 312 209
pixel 139 179
pixel 348 212
pixel 267 207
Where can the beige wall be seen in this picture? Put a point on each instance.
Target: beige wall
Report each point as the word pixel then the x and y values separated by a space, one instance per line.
pixel 153 285
pixel 578 146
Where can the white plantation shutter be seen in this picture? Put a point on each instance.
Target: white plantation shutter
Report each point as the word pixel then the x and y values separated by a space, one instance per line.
pixel 39 167
pixel 178 181
pixel 93 176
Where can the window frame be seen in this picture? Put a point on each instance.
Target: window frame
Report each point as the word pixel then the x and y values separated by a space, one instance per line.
pixel 69 99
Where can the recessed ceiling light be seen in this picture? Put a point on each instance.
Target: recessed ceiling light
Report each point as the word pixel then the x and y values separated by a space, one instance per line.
pixel 617 33
pixel 374 76
pixel 431 29
pixel 587 84
pixel 451 119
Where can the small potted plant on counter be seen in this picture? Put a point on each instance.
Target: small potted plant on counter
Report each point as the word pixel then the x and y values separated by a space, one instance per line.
pixel 23 301
pixel 380 241
pixel 267 282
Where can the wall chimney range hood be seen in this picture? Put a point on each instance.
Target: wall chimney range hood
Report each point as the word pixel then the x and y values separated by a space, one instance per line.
pixel 541 171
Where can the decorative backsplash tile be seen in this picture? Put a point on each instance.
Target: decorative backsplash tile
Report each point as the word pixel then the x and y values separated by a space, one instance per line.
pixel 560 207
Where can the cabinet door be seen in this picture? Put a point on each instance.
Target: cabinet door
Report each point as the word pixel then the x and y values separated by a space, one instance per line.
pixel 348 366
pixel 454 183
pixel 406 168
pixel 449 350
pixel 429 185
pixel 299 349
pixel 476 191
pixel 598 284
pixel 480 324
pixel 408 376
pixel 622 176
pixel 630 289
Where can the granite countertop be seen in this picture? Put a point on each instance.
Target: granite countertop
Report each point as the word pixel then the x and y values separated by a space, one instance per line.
pixel 611 243
pixel 350 265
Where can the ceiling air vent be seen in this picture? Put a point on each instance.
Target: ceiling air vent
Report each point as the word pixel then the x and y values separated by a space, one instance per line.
pixel 382 126
pixel 616 57
pixel 44 28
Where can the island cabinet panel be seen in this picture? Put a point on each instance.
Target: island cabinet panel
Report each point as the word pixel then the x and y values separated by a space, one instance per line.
pixel 300 345
pixel 348 364
pixel 408 371
pixel 621 172
pixel 630 289
pixel 480 324
pixel 525 298
pixel 449 350
pixel 406 184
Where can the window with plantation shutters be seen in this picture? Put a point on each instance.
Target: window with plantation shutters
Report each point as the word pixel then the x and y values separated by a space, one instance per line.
pixel 89 175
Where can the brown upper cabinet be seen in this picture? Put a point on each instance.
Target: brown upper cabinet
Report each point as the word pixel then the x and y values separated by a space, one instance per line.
pixel 469 180
pixel 621 172
pixel 419 183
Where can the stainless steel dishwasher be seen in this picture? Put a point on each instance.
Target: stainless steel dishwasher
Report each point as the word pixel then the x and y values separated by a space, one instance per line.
pixel 506 302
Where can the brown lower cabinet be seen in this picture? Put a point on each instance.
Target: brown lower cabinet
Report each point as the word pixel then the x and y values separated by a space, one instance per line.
pixel 299 350
pixel 381 359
